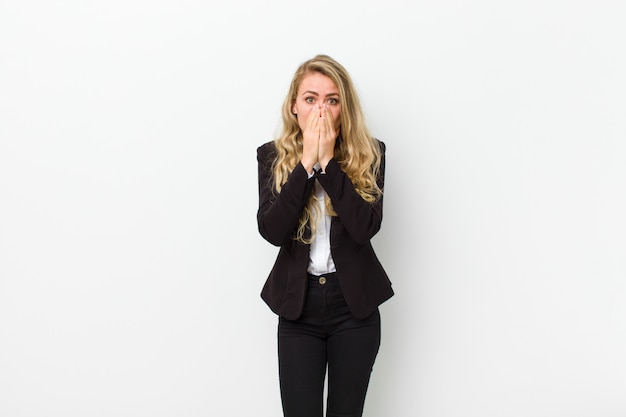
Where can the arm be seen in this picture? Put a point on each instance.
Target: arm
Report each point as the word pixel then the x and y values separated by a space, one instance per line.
pixel 361 219
pixel 278 214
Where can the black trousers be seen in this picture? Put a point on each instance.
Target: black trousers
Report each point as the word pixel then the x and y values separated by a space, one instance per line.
pixel 326 335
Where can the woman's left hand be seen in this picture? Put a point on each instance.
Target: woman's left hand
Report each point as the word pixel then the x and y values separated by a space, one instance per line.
pixel 327 137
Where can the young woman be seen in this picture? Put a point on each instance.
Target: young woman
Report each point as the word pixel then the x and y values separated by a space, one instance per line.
pixel 320 200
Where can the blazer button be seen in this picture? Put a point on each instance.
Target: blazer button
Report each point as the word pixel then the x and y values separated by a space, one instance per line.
pixel 322 280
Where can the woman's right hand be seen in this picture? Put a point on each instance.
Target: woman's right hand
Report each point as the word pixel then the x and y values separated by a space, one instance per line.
pixel 311 140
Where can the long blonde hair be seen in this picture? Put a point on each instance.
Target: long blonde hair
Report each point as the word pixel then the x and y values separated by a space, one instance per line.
pixel 357 153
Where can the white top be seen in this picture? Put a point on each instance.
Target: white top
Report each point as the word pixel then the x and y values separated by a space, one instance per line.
pixel 320 258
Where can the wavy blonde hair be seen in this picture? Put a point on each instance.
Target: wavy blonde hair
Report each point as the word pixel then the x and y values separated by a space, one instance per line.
pixel 357 153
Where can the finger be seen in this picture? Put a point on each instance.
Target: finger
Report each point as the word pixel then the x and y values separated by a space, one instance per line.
pixel 316 117
pixel 310 121
pixel 319 120
pixel 329 122
pixel 322 121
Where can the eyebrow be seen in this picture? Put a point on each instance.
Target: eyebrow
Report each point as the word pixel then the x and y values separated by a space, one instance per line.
pixel 316 94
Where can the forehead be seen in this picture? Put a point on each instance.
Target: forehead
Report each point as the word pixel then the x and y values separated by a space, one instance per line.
pixel 319 83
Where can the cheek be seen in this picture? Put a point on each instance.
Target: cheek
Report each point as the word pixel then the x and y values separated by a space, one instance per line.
pixel 303 114
pixel 304 111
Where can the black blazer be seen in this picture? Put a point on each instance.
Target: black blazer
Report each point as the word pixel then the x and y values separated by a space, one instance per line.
pixel 363 281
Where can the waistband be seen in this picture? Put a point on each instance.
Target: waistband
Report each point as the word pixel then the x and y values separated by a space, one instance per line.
pixel 324 279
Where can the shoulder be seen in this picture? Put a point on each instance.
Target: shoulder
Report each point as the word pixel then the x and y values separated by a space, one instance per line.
pixel 381 144
pixel 267 151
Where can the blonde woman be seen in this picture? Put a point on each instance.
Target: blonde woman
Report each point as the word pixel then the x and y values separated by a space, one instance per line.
pixel 321 201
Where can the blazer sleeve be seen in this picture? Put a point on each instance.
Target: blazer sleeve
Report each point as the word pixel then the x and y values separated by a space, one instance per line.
pixel 361 219
pixel 279 213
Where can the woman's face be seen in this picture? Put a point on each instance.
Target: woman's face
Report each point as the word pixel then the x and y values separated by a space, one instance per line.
pixel 316 89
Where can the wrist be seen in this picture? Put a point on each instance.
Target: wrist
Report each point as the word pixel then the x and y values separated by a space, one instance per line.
pixel 324 162
pixel 308 165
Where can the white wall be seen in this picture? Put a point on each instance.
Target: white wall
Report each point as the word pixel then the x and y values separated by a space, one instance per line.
pixel 130 263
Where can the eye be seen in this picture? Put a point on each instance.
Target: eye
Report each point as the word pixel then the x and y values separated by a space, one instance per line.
pixel 310 100
pixel 333 101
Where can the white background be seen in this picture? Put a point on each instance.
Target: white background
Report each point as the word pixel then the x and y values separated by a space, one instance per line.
pixel 130 262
